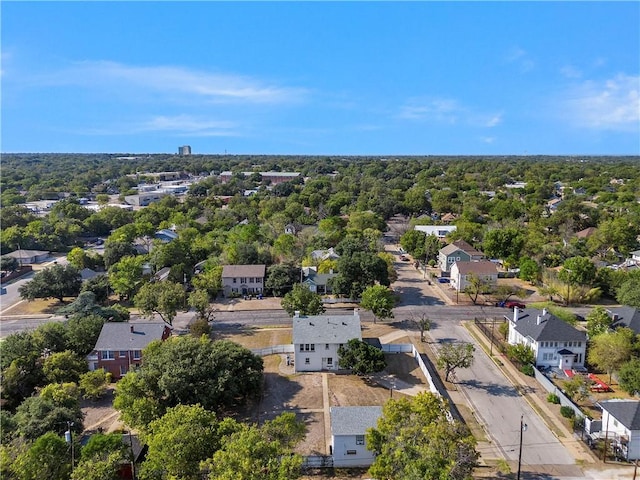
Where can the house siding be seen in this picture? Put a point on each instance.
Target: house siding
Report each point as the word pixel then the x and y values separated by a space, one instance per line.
pixel 347 453
pixel 318 358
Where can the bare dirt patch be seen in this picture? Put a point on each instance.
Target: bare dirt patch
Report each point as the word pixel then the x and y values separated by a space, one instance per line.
pixel 255 337
pixel 39 306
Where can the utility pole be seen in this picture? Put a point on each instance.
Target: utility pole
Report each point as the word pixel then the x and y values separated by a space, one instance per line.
pixel 68 436
pixel 523 427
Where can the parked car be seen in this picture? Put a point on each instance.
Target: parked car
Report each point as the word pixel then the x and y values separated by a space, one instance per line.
pixel 404 258
pixel 443 280
pixel 515 304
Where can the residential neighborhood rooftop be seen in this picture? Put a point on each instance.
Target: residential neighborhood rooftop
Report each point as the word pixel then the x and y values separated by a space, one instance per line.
pixel 128 335
pixel 326 328
pixel 548 328
pixel 624 410
pixel 354 420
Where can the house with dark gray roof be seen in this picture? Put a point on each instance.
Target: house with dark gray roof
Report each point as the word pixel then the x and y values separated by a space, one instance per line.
pixel 463 272
pixel 348 428
pixel 317 282
pixel 458 251
pixel 621 425
pixel 316 339
pixel 120 344
pixel 625 317
pixel 554 342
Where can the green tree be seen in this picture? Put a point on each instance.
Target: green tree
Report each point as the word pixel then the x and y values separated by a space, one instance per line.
pixel 187 370
pixel 200 302
pixel 39 415
pixel 578 271
pixel 48 457
pixel 125 276
pixel 476 286
pixel 609 351
pixel 503 242
pixel 9 264
pixel 452 356
pixel 58 281
pixel 162 298
pixel 529 270
pixel 358 271
pixel 282 278
pixel 101 467
pixel 629 376
pixel 94 384
pixel 361 358
pixel 598 321
pixel 64 366
pixel 264 453
pixel 178 441
pixel 82 332
pixel 302 300
pixel 380 300
pixel 209 280
pixel 115 251
pixel 629 292
pixel 414 439
pixel 521 353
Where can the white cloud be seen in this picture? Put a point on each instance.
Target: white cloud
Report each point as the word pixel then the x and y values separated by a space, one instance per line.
pixel 520 57
pixel 179 125
pixel 447 111
pixel 488 140
pixel 171 80
pixel 612 104
pixel 570 71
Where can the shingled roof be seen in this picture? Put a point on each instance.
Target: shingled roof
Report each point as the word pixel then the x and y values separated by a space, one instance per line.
pixel 626 412
pixel 235 271
pixel 626 317
pixel 354 420
pixel 326 328
pixel 129 335
pixel 550 327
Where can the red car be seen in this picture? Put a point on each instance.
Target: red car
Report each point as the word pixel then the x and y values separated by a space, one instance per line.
pixel 515 304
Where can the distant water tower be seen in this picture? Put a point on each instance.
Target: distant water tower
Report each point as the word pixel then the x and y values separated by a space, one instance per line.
pixel 184 150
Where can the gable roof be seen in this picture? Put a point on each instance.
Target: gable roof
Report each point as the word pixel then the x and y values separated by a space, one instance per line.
pixel 550 328
pixel 451 248
pixel 244 270
pixel 465 247
pixel 626 412
pixel 626 317
pixel 326 328
pixel 354 420
pixel 481 267
pixel 129 335
pixel 587 232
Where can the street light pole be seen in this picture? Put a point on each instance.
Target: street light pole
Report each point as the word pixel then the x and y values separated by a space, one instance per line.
pixel 523 427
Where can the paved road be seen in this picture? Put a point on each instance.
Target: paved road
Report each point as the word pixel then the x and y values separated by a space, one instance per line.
pixel 492 396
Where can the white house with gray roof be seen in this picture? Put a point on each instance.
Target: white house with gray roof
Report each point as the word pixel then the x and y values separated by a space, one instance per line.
pixel 554 342
pixel 316 339
pixel 243 279
pixel 621 425
pixel 348 428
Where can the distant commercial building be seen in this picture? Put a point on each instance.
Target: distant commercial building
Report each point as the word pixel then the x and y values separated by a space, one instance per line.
pixel 184 150
pixel 272 177
pixel 144 199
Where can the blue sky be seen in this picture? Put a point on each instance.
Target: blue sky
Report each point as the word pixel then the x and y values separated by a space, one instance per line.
pixel 334 78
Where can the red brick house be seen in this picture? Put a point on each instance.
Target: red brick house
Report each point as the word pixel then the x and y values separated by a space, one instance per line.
pixel 120 344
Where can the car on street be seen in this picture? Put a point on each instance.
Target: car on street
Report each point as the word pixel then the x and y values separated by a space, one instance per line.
pixel 404 258
pixel 444 280
pixel 515 304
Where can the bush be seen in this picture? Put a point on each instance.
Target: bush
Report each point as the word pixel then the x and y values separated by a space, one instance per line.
pixel 527 370
pixel 577 422
pixel 567 412
pixel 553 398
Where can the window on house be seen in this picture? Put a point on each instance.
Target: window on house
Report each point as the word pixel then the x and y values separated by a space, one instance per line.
pixel 108 355
pixel 235 280
pixel 313 347
pixel 123 354
pixel 252 280
pixel 137 354
pixel 258 280
pixel 301 347
pixel 326 346
pixel 351 452
pixel 359 439
pixel 243 279
pixel 307 361
pixel 123 369
pixel 330 361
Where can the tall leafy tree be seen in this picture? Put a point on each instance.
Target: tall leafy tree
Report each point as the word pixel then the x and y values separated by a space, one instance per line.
pixel 629 376
pixel 162 298
pixel 48 457
pixel 414 439
pixel 125 276
pixel 361 358
pixel 58 281
pixel 609 351
pixel 452 356
pixel 598 321
pixel 302 300
pixel 380 300
pixel 281 278
pixel 629 292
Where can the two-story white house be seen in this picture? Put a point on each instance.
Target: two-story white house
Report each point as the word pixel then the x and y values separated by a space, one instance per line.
pixel 243 279
pixel 348 428
pixel 554 342
pixel 621 425
pixel 316 339
pixel 462 272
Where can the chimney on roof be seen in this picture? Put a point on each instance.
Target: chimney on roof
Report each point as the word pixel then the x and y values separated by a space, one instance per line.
pixel 131 327
pixel 296 314
pixel 356 312
pixel 344 323
pixel 538 319
pixel 516 311
pixel 544 311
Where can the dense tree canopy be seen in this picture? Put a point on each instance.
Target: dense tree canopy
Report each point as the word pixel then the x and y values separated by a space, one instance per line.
pixel 58 281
